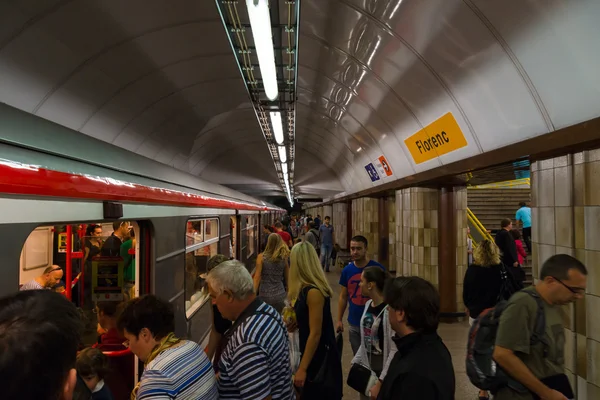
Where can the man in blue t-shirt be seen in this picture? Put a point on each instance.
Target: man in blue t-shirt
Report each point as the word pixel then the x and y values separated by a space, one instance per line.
pixel 524 215
pixel 351 294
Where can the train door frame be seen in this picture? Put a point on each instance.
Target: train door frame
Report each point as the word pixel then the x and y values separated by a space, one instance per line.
pixel 234 236
pixel 238 234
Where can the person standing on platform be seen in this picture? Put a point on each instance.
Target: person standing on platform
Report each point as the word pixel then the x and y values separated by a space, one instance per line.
pixel 327 237
pixel 287 238
pixel 524 215
pixel 351 293
pixel 422 367
pixel 538 365
pixel 255 362
pixel 40 332
pixel 319 352
pixel 506 243
pixel 272 271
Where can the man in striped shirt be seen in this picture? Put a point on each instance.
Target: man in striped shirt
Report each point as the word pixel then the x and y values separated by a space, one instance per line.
pixel 255 363
pixel 173 368
pixel 51 276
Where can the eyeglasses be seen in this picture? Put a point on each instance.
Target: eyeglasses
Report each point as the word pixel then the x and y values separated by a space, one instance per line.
pixel 574 290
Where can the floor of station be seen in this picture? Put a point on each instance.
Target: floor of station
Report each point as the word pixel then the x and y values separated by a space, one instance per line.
pixel 454 336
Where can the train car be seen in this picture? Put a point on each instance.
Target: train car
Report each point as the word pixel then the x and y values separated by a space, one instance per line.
pixel 60 211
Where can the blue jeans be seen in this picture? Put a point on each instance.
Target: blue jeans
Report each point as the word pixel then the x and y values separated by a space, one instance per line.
pixel 326 249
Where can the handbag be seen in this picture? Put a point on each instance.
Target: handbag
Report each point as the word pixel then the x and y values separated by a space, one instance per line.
pixel 362 378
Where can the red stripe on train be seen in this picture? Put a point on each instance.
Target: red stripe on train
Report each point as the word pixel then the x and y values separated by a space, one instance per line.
pixel 22 179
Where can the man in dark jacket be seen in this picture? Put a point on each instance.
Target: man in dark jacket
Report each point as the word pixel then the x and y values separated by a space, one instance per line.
pixel 422 368
pixel 506 243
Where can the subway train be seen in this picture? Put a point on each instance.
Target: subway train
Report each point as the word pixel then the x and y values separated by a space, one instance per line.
pixel 48 201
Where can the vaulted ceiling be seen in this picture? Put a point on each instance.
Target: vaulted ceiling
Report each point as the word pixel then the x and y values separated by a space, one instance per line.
pixel 159 78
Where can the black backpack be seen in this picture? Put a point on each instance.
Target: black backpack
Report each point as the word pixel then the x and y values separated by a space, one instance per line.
pixel 482 370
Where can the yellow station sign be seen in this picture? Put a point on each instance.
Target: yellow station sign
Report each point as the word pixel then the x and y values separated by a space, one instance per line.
pixel 440 137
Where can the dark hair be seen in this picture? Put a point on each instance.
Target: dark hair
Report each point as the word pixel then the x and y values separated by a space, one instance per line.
pixel 91 228
pixel 148 312
pixel 40 331
pixel 327 217
pixel 268 227
pixel 215 261
pixel 419 300
pixel 558 266
pixel 90 362
pixel 312 225
pixel 522 204
pixel 109 308
pixel 278 225
pixel 360 239
pixel 505 222
pixel 117 225
pixel 376 275
pixel 515 234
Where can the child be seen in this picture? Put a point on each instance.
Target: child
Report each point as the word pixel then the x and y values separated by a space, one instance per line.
pixel 92 366
pixel 521 253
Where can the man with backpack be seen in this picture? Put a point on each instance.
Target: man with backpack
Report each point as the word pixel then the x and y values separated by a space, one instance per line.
pixel 529 337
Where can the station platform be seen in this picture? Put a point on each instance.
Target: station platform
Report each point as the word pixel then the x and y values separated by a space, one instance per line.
pixel 454 336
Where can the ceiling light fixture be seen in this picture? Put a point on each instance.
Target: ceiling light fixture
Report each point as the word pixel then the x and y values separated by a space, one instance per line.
pixel 260 22
pixel 284 168
pixel 282 154
pixel 277 126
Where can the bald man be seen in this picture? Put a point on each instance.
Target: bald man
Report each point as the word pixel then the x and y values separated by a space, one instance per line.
pixel 51 276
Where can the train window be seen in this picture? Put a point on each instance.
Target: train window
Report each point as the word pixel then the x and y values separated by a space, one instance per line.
pixel 202 242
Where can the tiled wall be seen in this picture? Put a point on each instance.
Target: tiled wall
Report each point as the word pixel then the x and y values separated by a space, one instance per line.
pixel 417 232
pixel 365 222
pixel 566 219
pixel 393 258
pixel 339 219
pixel 327 211
pixel 460 205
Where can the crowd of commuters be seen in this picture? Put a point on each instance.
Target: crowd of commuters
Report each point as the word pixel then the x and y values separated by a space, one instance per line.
pixel 392 330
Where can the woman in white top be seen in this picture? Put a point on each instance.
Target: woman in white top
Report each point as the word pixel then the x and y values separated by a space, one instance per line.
pixel 377 349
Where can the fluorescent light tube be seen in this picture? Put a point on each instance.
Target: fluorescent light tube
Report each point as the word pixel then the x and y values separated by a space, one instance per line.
pixel 282 154
pixel 284 168
pixel 260 22
pixel 277 126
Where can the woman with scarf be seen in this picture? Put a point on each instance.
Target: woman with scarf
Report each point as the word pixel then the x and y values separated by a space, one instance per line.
pixel 173 368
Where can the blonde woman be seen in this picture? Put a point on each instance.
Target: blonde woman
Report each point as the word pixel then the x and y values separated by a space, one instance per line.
pixel 319 375
pixel 482 284
pixel 272 270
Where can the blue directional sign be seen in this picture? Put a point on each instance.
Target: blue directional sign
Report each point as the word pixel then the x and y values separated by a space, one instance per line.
pixel 372 172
